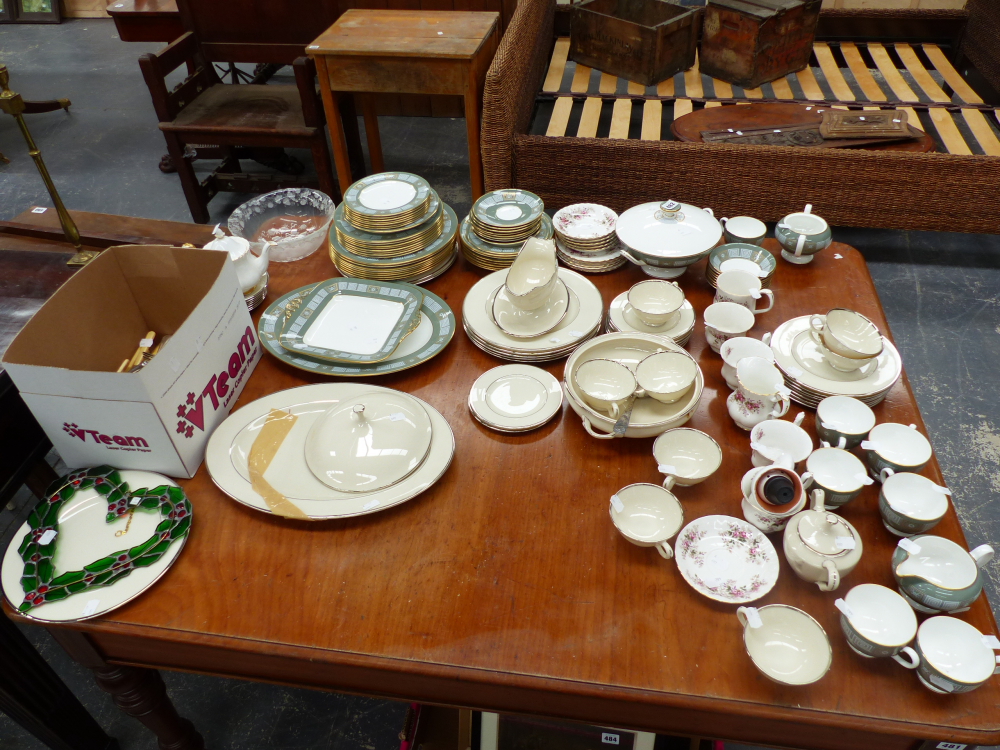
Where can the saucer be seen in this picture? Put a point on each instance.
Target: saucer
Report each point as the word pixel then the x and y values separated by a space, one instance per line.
pixel 621 316
pixel 526 324
pixel 726 559
pixel 515 398
pixel 809 357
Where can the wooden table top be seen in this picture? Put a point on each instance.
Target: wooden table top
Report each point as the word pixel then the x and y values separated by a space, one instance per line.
pixel 148 7
pixel 406 33
pixel 505 586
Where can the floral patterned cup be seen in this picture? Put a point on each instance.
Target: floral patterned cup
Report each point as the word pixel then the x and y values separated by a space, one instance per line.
pixel 724 321
pixel 743 289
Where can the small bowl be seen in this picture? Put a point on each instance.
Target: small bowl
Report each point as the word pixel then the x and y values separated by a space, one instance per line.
pixel 788 645
pixel 666 376
pixel 300 203
pixel 743 251
pixel 840 474
pixel 686 456
pixel 843 422
pixel 604 384
pixel 894 447
pixel 911 504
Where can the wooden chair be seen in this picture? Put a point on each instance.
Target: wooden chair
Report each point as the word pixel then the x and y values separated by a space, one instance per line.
pixel 203 110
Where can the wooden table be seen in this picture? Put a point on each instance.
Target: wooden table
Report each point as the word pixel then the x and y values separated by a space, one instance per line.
pixel 506 588
pixel 405 52
pixel 146 20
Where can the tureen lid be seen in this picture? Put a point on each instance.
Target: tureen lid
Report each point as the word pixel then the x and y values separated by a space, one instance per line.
pixel 826 533
pixel 668 229
pixel 368 442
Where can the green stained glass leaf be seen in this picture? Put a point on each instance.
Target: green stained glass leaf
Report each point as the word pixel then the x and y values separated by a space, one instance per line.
pixel 52 515
pixel 101 565
pixel 29 583
pixel 25 543
pixel 141 549
pixel 164 526
pixel 45 569
pixel 67 578
pixel 54 595
pixel 181 528
pixel 74 588
pixel 146 561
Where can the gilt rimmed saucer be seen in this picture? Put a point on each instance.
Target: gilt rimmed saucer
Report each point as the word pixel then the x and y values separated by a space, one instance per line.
pixel 527 324
pixel 515 398
pixel 622 318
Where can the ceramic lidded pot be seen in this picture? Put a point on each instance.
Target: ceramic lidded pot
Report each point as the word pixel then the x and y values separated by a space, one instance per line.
pixel 936 575
pixel 893 447
pixel 954 656
pixel 664 238
pixel 771 495
pixel 821 546
pixel 802 235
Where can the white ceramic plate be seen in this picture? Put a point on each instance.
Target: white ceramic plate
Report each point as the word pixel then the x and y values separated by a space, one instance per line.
pixel 586 312
pixel 726 559
pixel 85 536
pixel 229 448
pixel 368 442
pixel 790 350
pixel 515 398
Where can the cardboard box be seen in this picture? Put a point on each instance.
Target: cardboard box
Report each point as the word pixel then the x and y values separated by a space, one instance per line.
pixel 65 360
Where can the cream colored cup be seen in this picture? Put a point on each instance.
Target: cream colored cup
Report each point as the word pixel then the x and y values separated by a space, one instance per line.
pixel 686 456
pixel 743 289
pixel 656 303
pixel 666 376
pixel 724 321
pixel 847 338
pixel 605 385
pixel 744 229
pixel 740 347
pixel 647 515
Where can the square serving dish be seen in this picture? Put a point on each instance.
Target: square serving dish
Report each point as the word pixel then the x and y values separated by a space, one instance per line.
pixel 350 320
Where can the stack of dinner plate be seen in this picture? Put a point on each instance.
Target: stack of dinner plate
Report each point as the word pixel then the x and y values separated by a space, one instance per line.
pixel 585 238
pixel 741 256
pixel 582 320
pixel 484 239
pixel 811 378
pixel 393 226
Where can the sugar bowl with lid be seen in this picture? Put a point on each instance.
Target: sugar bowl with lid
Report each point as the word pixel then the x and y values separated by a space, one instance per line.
pixel 821 546
pixel 936 575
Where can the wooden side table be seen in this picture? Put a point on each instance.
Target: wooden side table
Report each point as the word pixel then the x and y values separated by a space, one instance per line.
pixel 404 52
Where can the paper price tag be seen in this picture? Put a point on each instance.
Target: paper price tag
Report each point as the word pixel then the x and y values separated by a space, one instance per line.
pixel 942 490
pixel 844 607
pixel 864 478
pixel 845 542
pixel 369 505
pixel 795 372
pixel 617 504
pixel 134 501
pixel 91 607
pixel 838 256
pixel 909 545
pixel 397 416
pixel 576 334
pixel 39 210
pixel 554 339
pixel 991 641
pixel 753 617
pixel 48 536
pixel 786 392
pixel 146 342
pixel 667 469
pixel 867 445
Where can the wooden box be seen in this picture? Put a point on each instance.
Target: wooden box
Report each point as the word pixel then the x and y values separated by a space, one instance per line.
pixel 645 41
pixel 750 42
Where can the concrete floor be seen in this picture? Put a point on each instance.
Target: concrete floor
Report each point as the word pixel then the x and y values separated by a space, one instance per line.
pixel 941 294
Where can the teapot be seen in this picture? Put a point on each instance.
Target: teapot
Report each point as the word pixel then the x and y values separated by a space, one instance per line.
pixel 821 546
pixel 249 267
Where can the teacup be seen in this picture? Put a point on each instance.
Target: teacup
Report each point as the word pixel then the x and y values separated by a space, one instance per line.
pixel 847 339
pixel 656 303
pixel 742 264
pixel 786 644
pixel 743 346
pixel 840 475
pixel 743 289
pixel 533 274
pixel 771 496
pixel 936 575
pixel 895 446
pixel 954 656
pixel 686 456
pixel 843 422
pixel 666 376
pixel 761 393
pixel 775 441
pixel 802 235
pixel 911 504
pixel 726 320
pixel 878 622
pixel 647 515
pixel 744 229
pixel 605 385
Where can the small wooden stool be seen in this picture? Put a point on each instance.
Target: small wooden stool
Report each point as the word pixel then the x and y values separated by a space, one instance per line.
pixel 404 52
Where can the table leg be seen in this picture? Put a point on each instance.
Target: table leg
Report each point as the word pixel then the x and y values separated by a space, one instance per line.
pixel 341 157
pixel 371 132
pixel 32 694
pixel 472 128
pixel 138 692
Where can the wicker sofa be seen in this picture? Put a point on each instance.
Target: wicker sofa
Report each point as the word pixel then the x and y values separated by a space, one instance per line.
pixel 934 191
